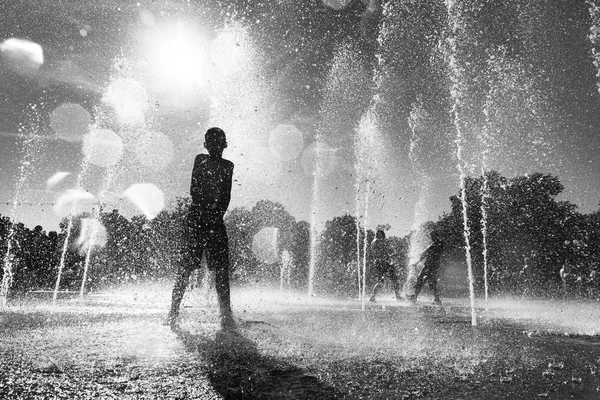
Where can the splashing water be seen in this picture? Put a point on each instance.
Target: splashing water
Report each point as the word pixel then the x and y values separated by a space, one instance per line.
pixel 594 36
pixel 419 240
pixel 455 71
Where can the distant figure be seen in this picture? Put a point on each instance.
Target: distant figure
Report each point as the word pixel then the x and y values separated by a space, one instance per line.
pixel 567 277
pixel 431 259
pixel 592 284
pixel 525 278
pixel 383 266
pixel 211 192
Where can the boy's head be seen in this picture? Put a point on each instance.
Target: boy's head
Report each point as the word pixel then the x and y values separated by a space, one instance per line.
pixel 215 141
pixel 380 234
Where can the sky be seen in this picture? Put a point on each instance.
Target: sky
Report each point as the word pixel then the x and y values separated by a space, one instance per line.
pixel 329 106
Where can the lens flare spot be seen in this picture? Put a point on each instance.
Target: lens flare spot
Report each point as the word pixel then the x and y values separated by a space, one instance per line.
pixel 55 179
pixel 147 198
pixel 22 56
pixel 102 147
pixel 70 122
pixel 154 150
pixel 286 142
pixel 129 100
pixel 264 245
pixel 73 202
pixel 92 235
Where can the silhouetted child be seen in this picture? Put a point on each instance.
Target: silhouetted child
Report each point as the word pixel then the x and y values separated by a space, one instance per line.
pixel 211 192
pixel 568 278
pixel 383 266
pixel 431 258
pixel 526 278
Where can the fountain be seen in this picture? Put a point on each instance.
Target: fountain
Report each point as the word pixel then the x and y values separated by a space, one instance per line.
pixel 391 86
pixel 454 17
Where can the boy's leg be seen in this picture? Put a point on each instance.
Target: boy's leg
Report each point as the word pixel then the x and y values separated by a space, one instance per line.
pixel 223 291
pixel 191 257
pixel 376 288
pixel 395 282
pixel 218 261
pixel 419 285
pixel 181 282
pixel 433 281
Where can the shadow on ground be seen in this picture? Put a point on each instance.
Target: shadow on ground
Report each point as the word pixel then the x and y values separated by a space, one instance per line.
pixel 237 370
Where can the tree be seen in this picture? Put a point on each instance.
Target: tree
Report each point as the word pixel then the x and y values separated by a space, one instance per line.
pixel 336 251
pixel 524 221
pixel 300 249
pixel 240 228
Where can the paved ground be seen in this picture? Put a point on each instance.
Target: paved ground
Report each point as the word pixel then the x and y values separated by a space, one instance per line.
pixel 113 345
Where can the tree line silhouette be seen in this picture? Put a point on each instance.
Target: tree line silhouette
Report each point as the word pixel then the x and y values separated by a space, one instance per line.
pixel 523 221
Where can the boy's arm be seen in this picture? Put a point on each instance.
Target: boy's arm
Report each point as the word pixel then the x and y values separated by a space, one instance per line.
pixel 424 254
pixel 195 186
pixel 225 197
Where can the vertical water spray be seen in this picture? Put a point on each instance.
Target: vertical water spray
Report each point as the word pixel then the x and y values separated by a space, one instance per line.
pixel 366 143
pixel 484 230
pixel 30 150
pixel 485 194
pixel 367 133
pixel 358 264
pixel 415 123
pixel 456 78
pixel 94 234
pixel 7 277
pixel 366 243
pixel 313 219
pixel 88 253
pixel 69 230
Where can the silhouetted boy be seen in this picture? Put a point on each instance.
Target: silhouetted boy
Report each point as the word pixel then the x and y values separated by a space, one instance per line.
pixel 383 266
pixel 211 192
pixel 431 257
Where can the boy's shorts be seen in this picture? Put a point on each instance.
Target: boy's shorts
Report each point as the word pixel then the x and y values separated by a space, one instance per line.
pixel 210 237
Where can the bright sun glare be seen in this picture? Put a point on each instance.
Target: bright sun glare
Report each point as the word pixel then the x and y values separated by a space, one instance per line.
pixel 180 57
